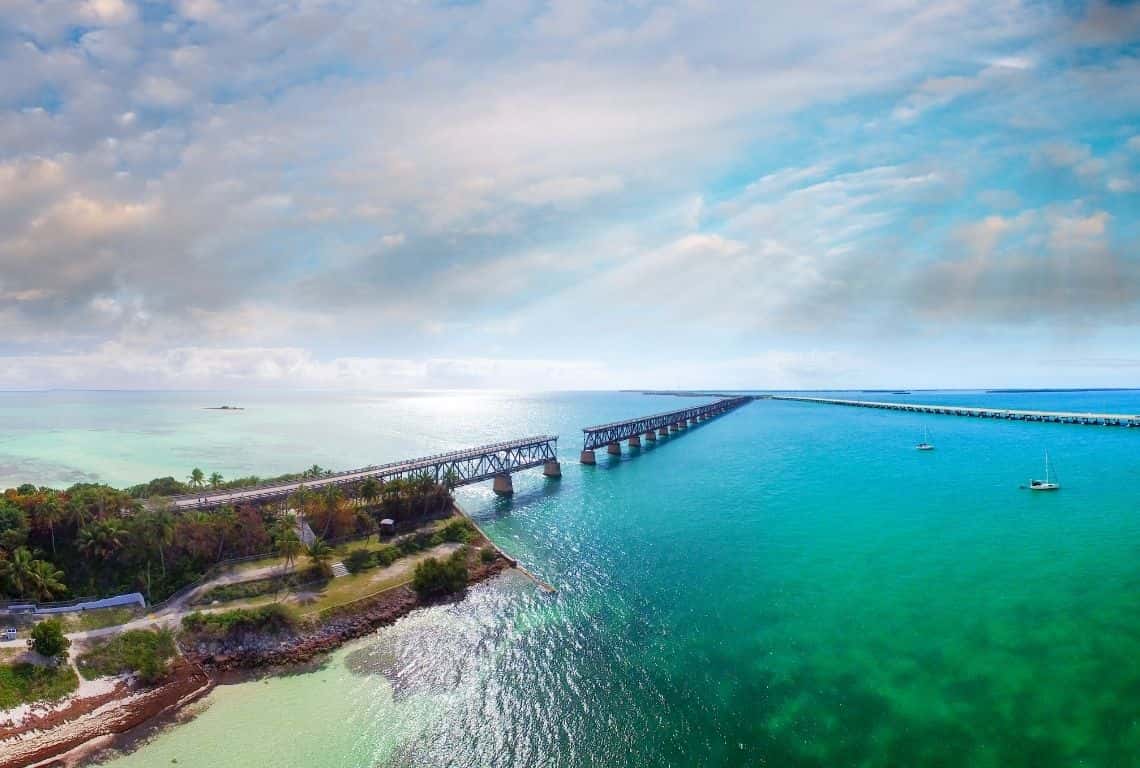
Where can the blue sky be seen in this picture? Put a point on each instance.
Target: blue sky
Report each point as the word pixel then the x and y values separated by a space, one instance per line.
pixel 567 194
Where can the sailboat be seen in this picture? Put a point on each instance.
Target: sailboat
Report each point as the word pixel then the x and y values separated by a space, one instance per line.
pixel 1047 484
pixel 925 445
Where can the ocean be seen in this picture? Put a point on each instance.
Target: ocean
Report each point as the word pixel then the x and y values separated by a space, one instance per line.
pixel 787 585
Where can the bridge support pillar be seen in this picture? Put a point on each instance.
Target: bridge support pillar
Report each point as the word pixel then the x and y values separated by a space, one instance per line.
pixel 588 457
pixel 635 441
pixel 663 432
pixel 503 485
pixel 552 469
pixel 651 436
pixel 614 449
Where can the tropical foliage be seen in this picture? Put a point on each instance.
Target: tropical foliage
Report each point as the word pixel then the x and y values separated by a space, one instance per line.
pixel 48 640
pixel 95 540
pixel 435 577
pixel 143 651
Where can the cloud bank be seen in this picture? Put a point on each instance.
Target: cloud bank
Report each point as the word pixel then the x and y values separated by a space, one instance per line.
pixel 565 193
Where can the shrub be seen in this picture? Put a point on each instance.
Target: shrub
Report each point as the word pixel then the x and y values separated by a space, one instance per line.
pixel 27 683
pixel 359 560
pixel 459 529
pixel 438 577
pixel 147 652
pixel 48 640
pixel 271 618
pixel 487 555
pixel 242 590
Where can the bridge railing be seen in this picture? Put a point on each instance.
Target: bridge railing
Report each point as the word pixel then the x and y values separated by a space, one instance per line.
pixel 601 434
pixel 393 469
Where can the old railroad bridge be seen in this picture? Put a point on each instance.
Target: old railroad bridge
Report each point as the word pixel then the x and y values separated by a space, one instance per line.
pixel 652 427
pixel 495 462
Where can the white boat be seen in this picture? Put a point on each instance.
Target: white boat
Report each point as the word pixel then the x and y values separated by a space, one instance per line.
pixel 925 445
pixel 1047 484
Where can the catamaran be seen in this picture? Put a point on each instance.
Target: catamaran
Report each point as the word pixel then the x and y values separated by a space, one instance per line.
pixel 1047 484
pixel 925 445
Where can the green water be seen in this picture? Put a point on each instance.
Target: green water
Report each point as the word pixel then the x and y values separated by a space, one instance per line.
pixel 789 585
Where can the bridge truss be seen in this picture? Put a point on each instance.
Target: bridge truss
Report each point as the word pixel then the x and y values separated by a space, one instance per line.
pixel 604 434
pixel 471 465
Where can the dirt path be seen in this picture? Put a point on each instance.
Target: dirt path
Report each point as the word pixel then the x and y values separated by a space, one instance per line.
pixel 172 613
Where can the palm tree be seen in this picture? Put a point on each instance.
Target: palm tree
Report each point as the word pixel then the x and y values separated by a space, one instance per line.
pixel 370 490
pixel 17 572
pixel 196 477
pixel 215 480
pixel 101 539
pixel 320 553
pixel 46 580
pixel 50 514
pixel 159 530
pixel 332 498
pixel 286 542
pixel 316 470
pixel 224 519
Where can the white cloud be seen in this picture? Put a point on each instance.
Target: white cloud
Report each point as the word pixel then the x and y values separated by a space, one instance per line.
pixel 1076 157
pixel 155 90
pixel 108 12
pixel 567 189
pixel 115 366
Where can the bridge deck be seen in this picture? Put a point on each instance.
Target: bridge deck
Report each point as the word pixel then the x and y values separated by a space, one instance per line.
pixel 1059 417
pixel 603 434
pixel 470 465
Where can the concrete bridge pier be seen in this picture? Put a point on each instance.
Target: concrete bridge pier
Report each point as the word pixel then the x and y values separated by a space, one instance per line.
pixel 503 486
pixel 635 441
pixel 614 449
pixel 651 436
pixel 663 432
pixel 588 457
pixel 552 469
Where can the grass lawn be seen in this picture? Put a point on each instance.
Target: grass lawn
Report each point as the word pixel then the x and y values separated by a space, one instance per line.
pixel 267 587
pixel 140 650
pixel 355 587
pixel 98 619
pixel 26 683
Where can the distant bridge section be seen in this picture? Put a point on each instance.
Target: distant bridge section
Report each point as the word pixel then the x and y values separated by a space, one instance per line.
pixel 652 427
pixel 472 465
pixel 1057 417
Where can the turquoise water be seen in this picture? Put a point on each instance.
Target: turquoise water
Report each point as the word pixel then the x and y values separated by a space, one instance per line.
pixel 789 585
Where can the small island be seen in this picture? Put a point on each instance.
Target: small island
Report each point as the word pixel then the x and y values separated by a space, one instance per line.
pixel 225 408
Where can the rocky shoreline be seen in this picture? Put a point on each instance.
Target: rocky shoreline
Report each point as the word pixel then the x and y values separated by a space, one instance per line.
pixel 253 650
pixel 65 735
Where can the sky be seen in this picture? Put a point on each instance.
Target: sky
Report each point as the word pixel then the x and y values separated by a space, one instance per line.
pixel 571 194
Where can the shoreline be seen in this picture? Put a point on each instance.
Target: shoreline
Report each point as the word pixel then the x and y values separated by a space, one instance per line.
pixel 66 735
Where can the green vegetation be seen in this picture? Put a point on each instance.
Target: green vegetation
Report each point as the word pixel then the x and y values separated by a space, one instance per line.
pixel 434 577
pixel 26 683
pixel 146 652
pixel 487 555
pixel 244 590
pixel 92 539
pixel 273 618
pixel 97 619
pixel 48 640
pixel 456 530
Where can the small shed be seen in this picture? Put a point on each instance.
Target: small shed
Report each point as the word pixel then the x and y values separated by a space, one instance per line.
pixel 387 526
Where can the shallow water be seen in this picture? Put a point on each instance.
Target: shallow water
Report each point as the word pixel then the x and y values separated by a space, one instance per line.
pixel 788 585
